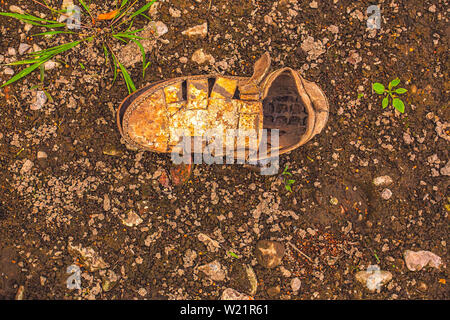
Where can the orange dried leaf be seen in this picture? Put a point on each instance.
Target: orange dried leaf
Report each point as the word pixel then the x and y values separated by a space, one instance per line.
pixel 108 16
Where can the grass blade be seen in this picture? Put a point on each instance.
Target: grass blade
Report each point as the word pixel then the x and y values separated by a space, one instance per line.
pixel 105 51
pixel 127 78
pixel 52 33
pixel 141 47
pixel 85 6
pixel 24 72
pixel 143 9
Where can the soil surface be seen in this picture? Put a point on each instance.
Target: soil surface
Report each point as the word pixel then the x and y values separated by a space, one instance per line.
pixel 67 181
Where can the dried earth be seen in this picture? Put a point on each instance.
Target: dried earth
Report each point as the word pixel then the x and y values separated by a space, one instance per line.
pixel 71 193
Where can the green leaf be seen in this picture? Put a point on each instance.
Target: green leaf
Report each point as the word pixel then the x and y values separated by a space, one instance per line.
pixel 16 63
pixel 25 17
pixel 143 9
pixel 394 83
pixel 24 72
pixel 127 78
pixel 385 102
pixel 85 6
pixel 378 88
pixel 128 36
pixel 288 188
pixel 52 33
pixel 120 39
pixel 291 181
pixel 141 47
pixel 399 105
pixel 234 255
pixel 401 90
pixel 105 51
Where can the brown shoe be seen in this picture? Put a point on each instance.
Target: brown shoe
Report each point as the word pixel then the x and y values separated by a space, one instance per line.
pixel 156 117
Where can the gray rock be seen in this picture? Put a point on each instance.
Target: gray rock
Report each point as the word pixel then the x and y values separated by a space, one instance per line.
pixel 200 31
pixel 175 12
pixel 201 57
pixel 50 65
pixel 269 253
pixel 39 100
pixel 16 9
pixel 88 257
pixel 106 202
pixel 41 155
pixel 273 291
pixel 295 284
pixel 314 49
pixel 382 181
pixel 415 261
pixel 373 279
pixel 211 244
pixel 214 270
pixel 8 71
pixel 386 194
pixel 243 278
pixel 231 294
pixel 131 219
pixel 23 47
pixel 446 169
pixel 27 165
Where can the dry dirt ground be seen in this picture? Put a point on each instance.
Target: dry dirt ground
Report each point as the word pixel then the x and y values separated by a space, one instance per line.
pixel 89 182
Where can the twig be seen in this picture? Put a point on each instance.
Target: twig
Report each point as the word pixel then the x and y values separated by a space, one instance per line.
pixel 298 250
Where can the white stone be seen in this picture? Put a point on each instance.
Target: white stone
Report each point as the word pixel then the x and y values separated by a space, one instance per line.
pixel 27 165
pixel 295 284
pixel 386 194
pixel 8 71
pixel 132 219
pixel 16 9
pixel 200 30
pixel 382 181
pixel 200 57
pixel 39 100
pixel 41 155
pixel 214 270
pixel 373 279
pixel 446 170
pixel 23 47
pixel 49 65
pixel 415 261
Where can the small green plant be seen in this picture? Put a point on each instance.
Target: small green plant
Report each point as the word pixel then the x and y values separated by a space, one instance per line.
pixel 391 92
pixel 234 255
pixel 114 25
pixel 41 84
pixel 287 181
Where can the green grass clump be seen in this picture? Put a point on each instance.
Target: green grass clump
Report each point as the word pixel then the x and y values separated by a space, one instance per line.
pixel 120 22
